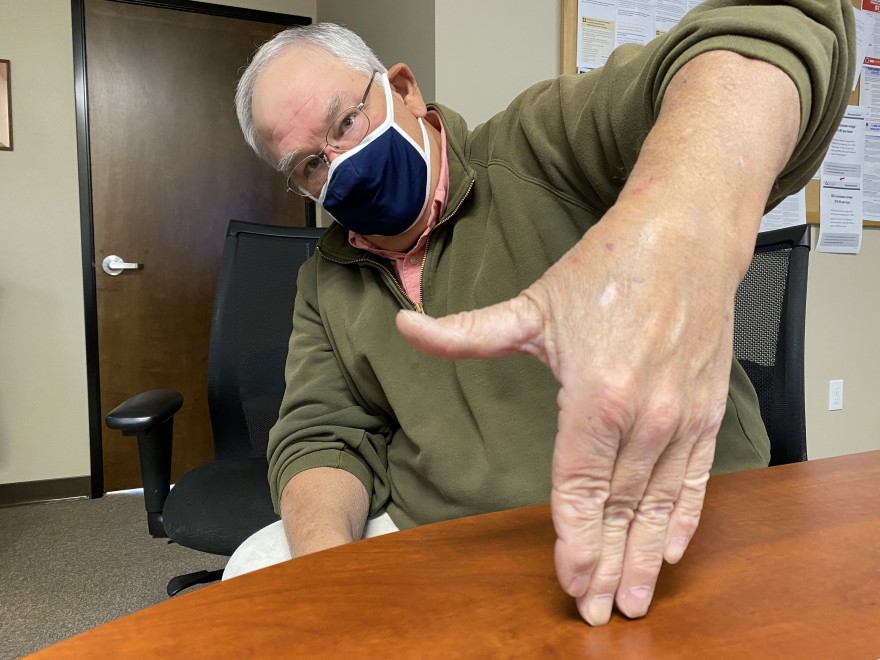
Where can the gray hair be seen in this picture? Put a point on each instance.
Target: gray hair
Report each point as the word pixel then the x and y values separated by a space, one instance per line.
pixel 336 40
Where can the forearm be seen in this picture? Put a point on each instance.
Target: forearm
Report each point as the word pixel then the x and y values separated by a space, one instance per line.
pixel 727 127
pixel 322 508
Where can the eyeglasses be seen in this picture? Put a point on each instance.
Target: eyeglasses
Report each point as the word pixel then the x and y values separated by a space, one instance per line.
pixel 347 131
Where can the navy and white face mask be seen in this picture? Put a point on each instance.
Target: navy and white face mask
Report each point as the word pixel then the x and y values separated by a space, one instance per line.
pixel 382 185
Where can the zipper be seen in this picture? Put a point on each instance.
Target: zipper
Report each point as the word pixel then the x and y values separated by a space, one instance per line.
pixel 419 308
pixel 448 216
pixel 460 202
pixel 366 260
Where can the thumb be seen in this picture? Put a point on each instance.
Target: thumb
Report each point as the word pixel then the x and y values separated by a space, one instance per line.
pixel 513 326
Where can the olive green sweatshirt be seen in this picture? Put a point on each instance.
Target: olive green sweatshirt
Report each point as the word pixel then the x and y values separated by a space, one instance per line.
pixel 434 439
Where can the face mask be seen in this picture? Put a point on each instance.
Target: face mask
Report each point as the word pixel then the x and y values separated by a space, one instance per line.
pixel 382 185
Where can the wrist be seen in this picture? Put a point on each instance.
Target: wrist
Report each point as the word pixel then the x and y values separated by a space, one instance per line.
pixel 681 241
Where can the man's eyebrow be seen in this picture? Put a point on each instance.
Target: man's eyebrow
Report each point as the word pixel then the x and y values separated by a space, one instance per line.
pixel 330 115
pixel 333 106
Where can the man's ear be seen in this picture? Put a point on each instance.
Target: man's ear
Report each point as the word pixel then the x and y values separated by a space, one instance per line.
pixel 403 82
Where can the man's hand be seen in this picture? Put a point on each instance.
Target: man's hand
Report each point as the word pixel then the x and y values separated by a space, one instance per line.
pixel 635 322
pixel 644 363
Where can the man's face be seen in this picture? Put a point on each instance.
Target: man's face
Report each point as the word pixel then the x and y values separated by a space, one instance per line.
pixel 299 94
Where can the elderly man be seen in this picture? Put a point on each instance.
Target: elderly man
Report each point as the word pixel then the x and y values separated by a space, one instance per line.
pixel 600 224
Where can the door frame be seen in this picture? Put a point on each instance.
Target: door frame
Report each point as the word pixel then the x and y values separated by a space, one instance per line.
pixel 83 149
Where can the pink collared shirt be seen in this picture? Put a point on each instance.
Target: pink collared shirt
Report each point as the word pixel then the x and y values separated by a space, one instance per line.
pixel 408 265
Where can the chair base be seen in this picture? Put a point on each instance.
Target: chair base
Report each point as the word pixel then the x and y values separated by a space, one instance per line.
pixel 181 582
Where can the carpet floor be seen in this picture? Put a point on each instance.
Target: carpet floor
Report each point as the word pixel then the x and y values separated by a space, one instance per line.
pixel 71 565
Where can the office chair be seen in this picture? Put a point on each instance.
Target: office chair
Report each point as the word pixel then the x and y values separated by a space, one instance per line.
pixel 216 506
pixel 768 336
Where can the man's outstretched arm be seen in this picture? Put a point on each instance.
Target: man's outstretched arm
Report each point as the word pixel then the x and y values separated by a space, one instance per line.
pixel 635 322
pixel 322 508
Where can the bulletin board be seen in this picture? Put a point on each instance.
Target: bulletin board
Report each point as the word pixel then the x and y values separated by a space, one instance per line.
pixel 568 63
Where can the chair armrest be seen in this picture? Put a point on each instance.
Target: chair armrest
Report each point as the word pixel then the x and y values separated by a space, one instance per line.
pixel 150 417
pixel 144 411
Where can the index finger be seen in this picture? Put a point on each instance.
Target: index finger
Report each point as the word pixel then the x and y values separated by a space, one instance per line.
pixel 583 463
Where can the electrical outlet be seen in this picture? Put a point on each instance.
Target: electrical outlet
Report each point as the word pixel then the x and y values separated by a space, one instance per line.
pixel 835 395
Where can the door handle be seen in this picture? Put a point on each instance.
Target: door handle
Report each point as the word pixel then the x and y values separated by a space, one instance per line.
pixel 114 265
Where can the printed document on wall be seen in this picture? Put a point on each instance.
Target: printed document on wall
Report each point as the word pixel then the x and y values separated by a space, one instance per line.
pixel 791 212
pixel 635 22
pixel 870 8
pixel 869 96
pixel 602 25
pixel 871 172
pixel 596 27
pixel 669 13
pixel 840 198
pixel 865 27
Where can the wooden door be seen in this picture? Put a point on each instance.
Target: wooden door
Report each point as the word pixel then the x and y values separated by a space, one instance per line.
pixel 169 169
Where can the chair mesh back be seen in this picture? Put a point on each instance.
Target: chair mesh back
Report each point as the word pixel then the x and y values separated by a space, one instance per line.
pixel 769 337
pixel 250 330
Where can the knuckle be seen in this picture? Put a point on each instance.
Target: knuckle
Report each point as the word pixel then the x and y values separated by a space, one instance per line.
pixel 615 396
pixel 531 308
pixel 691 500
pixel 715 414
pixel 657 503
pixel 607 577
pixel 688 519
pixel 577 557
pixel 662 421
pixel 694 486
pixel 654 512
pixel 581 499
pixel 646 561
pixel 618 517
pixel 707 417
pixel 463 323
pixel 687 514
pixel 613 407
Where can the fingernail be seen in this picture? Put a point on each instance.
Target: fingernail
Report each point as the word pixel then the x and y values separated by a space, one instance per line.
pixel 636 602
pixel 598 610
pixel 675 548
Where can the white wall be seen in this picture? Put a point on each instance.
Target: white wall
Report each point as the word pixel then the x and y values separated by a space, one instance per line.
pixel 488 51
pixel 843 342
pixel 397 31
pixel 43 411
pixel 474 57
pixel 43 406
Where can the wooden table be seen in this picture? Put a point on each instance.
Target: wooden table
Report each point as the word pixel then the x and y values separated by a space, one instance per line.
pixel 785 564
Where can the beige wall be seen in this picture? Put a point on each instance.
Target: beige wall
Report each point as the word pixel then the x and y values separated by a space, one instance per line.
pixel 43 422
pixel 488 51
pixel 43 406
pixel 397 31
pixel 843 328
